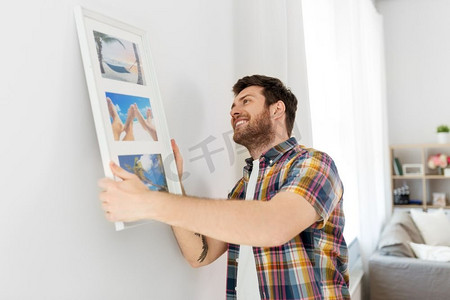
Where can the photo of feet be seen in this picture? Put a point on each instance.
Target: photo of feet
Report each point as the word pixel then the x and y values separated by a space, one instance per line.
pixel 148 167
pixel 131 118
pixel 119 59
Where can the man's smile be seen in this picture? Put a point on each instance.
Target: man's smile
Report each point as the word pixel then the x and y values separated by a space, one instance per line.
pixel 240 122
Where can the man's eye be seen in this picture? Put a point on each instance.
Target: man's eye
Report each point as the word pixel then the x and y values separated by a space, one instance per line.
pixel 245 101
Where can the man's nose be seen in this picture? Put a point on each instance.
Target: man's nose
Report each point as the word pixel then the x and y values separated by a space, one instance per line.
pixel 235 112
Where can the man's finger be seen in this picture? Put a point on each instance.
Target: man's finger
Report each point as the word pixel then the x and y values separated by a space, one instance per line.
pixel 176 151
pixel 119 172
pixel 149 114
pixel 104 183
pixel 174 146
pixel 109 216
pixel 103 197
pixel 178 157
pixel 105 206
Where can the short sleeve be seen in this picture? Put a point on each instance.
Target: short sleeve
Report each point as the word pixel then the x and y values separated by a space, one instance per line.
pixel 313 176
pixel 238 192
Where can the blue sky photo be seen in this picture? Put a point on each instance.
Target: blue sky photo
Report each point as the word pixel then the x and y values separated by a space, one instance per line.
pixel 148 167
pixel 123 102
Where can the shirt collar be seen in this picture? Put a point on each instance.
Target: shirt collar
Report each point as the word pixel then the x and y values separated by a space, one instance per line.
pixel 274 154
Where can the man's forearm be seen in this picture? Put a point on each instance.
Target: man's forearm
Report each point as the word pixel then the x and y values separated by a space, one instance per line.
pixel 198 249
pixel 256 223
pixel 215 218
pixel 194 246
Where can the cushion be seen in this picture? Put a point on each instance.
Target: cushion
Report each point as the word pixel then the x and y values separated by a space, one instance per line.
pixel 434 227
pixel 395 240
pixel 427 252
pixel 399 231
pixel 403 218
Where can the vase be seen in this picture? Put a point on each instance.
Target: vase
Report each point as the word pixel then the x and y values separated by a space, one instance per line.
pixel 447 172
pixel 440 171
pixel 442 137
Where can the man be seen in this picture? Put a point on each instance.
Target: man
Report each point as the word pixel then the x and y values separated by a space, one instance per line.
pixel 285 241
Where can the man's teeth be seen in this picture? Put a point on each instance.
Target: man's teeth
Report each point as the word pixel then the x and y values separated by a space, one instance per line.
pixel 240 122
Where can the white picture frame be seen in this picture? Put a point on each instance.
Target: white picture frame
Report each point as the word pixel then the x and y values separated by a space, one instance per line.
pixel 126 104
pixel 439 199
pixel 412 169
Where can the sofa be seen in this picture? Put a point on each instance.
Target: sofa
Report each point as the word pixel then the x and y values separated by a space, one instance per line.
pixel 396 273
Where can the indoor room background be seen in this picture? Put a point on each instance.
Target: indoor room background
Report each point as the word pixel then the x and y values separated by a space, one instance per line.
pixel 55 241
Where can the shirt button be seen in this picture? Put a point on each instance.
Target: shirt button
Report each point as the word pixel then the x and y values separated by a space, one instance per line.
pixel 271 161
pixel 237 260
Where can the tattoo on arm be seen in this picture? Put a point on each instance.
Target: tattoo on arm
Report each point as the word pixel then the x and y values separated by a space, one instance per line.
pixel 204 247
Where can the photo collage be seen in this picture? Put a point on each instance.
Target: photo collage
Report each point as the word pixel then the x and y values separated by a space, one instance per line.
pixel 131 118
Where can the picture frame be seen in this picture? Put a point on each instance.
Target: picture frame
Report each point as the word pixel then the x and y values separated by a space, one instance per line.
pixel 412 169
pixel 126 103
pixel 439 199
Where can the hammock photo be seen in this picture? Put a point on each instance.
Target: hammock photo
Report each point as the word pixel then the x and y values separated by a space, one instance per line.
pixel 114 54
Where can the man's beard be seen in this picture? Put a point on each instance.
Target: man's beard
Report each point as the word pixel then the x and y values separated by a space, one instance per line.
pixel 257 133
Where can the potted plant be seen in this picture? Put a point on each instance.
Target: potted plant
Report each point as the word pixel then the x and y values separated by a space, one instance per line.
pixel 443 133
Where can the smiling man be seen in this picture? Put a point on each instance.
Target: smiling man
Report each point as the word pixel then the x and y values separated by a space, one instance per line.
pixel 283 222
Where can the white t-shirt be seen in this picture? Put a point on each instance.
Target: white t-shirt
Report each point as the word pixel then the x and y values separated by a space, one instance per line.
pixel 247 281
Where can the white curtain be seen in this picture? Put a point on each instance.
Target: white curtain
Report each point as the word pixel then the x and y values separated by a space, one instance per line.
pixel 345 62
pixel 269 40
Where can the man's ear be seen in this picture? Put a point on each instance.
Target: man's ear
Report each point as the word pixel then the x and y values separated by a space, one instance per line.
pixel 277 109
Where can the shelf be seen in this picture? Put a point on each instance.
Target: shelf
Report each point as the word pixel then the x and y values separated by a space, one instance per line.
pixel 408 205
pixel 408 177
pixel 437 177
pixel 419 206
pixel 413 146
pixel 421 186
pixel 420 177
pixel 436 207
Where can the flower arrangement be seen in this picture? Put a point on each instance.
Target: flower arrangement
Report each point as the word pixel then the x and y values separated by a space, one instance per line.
pixel 438 161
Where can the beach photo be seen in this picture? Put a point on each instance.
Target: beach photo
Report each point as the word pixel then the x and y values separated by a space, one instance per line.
pixel 131 118
pixel 119 59
pixel 148 167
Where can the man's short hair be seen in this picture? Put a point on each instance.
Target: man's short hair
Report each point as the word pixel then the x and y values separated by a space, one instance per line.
pixel 274 90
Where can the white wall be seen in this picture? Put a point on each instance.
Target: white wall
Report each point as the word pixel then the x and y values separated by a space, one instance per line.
pixel 54 240
pixel 417 67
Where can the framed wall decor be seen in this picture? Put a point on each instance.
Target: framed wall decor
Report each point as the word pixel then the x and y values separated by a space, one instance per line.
pixel 412 169
pixel 126 104
pixel 439 199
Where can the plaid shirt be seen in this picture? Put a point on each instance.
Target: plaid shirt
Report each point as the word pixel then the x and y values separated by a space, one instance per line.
pixel 313 265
